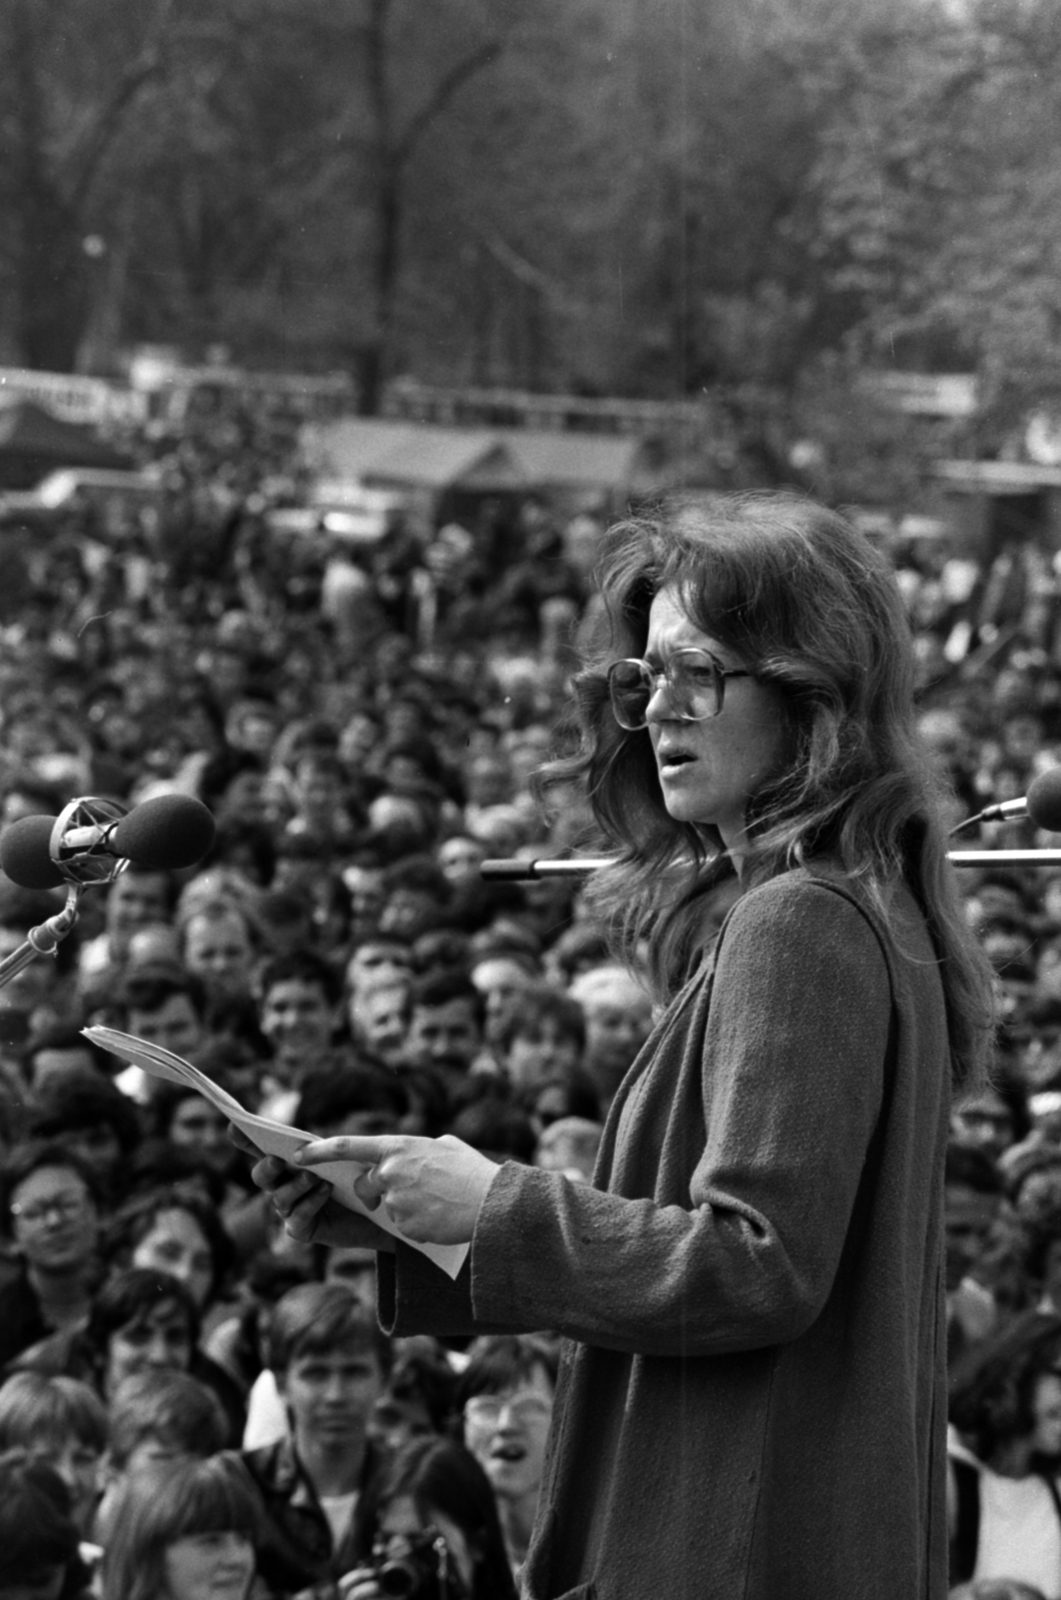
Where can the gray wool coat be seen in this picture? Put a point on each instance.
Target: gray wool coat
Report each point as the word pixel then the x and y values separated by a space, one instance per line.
pixel 751 1402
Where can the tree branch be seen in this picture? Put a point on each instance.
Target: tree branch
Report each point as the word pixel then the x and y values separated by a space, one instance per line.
pixel 441 95
pixel 98 140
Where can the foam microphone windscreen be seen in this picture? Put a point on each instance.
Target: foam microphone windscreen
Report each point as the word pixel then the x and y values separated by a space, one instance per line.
pixel 24 854
pixel 1044 800
pixel 166 833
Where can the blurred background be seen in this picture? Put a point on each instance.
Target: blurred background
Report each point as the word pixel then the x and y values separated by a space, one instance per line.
pixel 820 235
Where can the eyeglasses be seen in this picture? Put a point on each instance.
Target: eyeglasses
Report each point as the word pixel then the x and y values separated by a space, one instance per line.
pixel 60 1206
pixel 485 1409
pixel 695 682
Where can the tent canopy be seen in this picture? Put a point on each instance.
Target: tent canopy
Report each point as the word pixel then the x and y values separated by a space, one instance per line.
pixel 33 443
pixel 420 455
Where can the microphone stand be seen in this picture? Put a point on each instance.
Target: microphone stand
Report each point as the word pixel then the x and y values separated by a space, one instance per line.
pixel 516 870
pixel 42 941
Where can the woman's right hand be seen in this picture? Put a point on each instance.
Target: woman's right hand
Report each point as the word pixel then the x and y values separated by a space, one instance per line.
pixel 305 1204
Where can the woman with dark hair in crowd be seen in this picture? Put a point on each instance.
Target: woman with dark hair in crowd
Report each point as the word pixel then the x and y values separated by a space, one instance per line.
pixel 175 1231
pixel 763 1236
pixel 140 1318
pixel 434 1513
pixel 190 1536
pixel 1004 1506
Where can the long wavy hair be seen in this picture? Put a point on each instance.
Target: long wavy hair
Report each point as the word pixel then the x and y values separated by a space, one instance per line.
pixel 812 608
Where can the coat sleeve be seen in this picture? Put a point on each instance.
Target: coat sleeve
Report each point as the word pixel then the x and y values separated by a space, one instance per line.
pixel 794 1059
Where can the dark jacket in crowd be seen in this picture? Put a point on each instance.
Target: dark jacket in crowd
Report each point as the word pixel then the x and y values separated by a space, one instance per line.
pixel 298 1551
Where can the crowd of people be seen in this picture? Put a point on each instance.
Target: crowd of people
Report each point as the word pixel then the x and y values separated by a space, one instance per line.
pixel 193 1403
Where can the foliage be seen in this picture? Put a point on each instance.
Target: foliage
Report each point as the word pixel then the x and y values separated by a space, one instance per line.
pixel 756 198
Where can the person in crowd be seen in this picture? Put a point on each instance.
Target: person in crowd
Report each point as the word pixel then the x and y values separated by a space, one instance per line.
pixel 420 1400
pixel 618 1012
pixel 193 1124
pixel 62 1052
pixel 502 980
pixel 40 1546
pixel 434 1514
pixel 166 1006
pixel 159 1419
pixel 1033 1183
pixel 192 1536
pixel 375 959
pixel 416 897
pixel 352 1096
pixel 330 1363
pixel 459 858
pixel 298 1011
pixel 137 898
pixel 507 1391
pixel 90 1116
pixel 570 1145
pixel 140 1320
pixel 175 1231
pixel 378 1015
pixel 542 1035
pixel 567 1094
pixel 446 1027
pixel 219 945
pixel 362 882
pixel 51 1218
pixel 763 1236
pixel 972 1202
pixel 62 1424
pixel 1004 1466
pixel 987 1121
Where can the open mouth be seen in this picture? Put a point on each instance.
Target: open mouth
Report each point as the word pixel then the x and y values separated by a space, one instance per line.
pixel 671 760
pixel 507 1452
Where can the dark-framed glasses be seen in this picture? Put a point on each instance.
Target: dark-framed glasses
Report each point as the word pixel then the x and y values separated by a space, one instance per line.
pixel 63 1207
pixel 695 680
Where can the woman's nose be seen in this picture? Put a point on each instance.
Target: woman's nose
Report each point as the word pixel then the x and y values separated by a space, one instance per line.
pixel 658 707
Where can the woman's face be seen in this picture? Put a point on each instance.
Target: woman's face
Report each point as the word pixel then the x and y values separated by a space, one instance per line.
pixel 401 1519
pixel 159 1340
pixel 540 1052
pixel 199 1127
pixel 506 1433
pixel 177 1244
pixel 709 770
pixel 78 1464
pixel 209 1566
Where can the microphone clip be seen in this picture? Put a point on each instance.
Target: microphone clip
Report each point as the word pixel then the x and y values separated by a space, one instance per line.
pixel 79 841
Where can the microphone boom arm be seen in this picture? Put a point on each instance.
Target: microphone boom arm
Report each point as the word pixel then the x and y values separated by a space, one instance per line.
pixel 43 940
pixel 516 870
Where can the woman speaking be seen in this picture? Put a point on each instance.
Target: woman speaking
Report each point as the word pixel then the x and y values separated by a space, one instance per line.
pixel 751 1400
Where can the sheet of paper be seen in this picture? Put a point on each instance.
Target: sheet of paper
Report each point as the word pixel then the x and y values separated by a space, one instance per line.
pixel 271 1138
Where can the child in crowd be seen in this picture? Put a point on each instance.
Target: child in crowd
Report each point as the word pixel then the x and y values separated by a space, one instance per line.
pixel 158 1419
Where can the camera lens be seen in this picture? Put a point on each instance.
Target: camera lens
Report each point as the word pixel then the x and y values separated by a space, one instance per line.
pixel 400 1579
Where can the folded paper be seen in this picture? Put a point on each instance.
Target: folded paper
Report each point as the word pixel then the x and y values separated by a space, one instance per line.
pixel 271 1138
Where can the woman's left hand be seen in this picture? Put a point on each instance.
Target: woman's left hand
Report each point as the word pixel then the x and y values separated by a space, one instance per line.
pixel 432 1189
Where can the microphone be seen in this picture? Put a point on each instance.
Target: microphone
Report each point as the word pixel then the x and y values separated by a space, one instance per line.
pixel 92 840
pixel 1042 804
